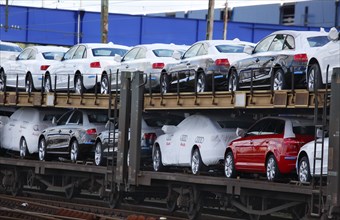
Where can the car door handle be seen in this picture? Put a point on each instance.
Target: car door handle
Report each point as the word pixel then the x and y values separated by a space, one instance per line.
pixel 59 131
pixel 272 59
pixel 127 66
pixel 70 131
pixel 188 64
pixel 257 60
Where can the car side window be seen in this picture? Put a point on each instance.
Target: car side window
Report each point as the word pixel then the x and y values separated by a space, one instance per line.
pixel 76 118
pixel 79 52
pixel 131 55
pixel 24 54
pixel 263 45
pixel 68 55
pixel 63 119
pixel 275 126
pixel 192 51
pixel 277 43
pixel 258 127
pixel 203 50
pixel 141 54
pixel 289 43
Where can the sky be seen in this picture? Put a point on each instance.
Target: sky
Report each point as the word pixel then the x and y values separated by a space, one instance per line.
pixel 140 7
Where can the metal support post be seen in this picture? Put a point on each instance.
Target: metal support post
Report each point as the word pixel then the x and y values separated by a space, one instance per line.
pixel 333 179
pixel 137 98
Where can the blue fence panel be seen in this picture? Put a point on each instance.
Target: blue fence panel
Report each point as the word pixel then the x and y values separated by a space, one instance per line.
pixel 90 28
pixel 168 30
pixel 17 16
pixel 48 26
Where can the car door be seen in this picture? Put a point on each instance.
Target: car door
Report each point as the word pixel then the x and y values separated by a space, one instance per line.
pixel 71 127
pixel 254 68
pixel 17 68
pixel 267 141
pixel 54 136
pixel 61 70
pixel 243 148
pixel 137 62
pixel 10 130
pixel 180 73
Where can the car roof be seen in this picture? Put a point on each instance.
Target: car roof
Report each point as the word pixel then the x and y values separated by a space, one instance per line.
pixel 228 42
pixel 42 49
pixel 162 46
pixel 295 33
pixel 104 45
pixel 9 43
pixel 296 120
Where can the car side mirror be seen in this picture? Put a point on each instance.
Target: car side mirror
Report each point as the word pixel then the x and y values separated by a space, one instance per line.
pixel 108 124
pixel 248 49
pixel 176 55
pixel 58 57
pixel 169 128
pixel 319 133
pixel 12 57
pixel 240 132
pixel 333 34
pixel 117 58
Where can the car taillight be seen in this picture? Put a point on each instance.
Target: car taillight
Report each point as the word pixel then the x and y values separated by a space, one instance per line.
pixel 44 67
pixel 222 62
pixel 292 145
pixel 150 138
pixel 95 65
pixel 301 57
pixel 91 131
pixel 158 65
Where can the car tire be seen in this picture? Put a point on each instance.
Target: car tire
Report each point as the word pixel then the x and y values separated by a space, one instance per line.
pixel 78 85
pixel 23 151
pixel 74 151
pixel 29 87
pixel 157 159
pixel 229 165
pixel 272 169
pixel 233 82
pixel 47 84
pixel 2 80
pixel 104 84
pixel 304 174
pixel 196 162
pixel 314 73
pixel 98 154
pixel 201 82
pixel 42 149
pixel 164 83
pixel 278 81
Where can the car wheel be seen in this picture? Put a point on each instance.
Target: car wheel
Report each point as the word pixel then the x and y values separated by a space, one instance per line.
pixel 314 77
pixel 164 83
pixel 78 85
pixel 304 170
pixel 201 83
pixel 233 84
pixel 47 84
pixel 278 82
pixel 42 149
pixel 23 148
pixel 98 154
pixel 157 159
pixel 196 162
pixel 272 169
pixel 74 148
pixel 229 165
pixel 2 80
pixel 104 85
pixel 29 83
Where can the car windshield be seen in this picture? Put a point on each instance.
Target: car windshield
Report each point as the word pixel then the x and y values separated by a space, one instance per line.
pixel 94 117
pixel 229 48
pixel 52 55
pixel 97 52
pixel 318 41
pixel 4 47
pixel 163 52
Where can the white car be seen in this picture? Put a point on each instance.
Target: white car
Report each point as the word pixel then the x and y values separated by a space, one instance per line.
pixel 152 59
pixel 197 141
pixel 22 130
pixel 204 63
pixel 329 54
pixel 305 160
pixel 82 66
pixel 7 50
pixel 28 68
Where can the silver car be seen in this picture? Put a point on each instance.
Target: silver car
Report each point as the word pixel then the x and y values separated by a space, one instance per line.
pixel 74 133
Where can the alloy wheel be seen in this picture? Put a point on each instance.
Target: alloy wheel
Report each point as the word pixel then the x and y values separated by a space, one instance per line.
pixel 98 153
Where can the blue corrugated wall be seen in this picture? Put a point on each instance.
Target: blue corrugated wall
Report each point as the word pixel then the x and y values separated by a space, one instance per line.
pixel 59 27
